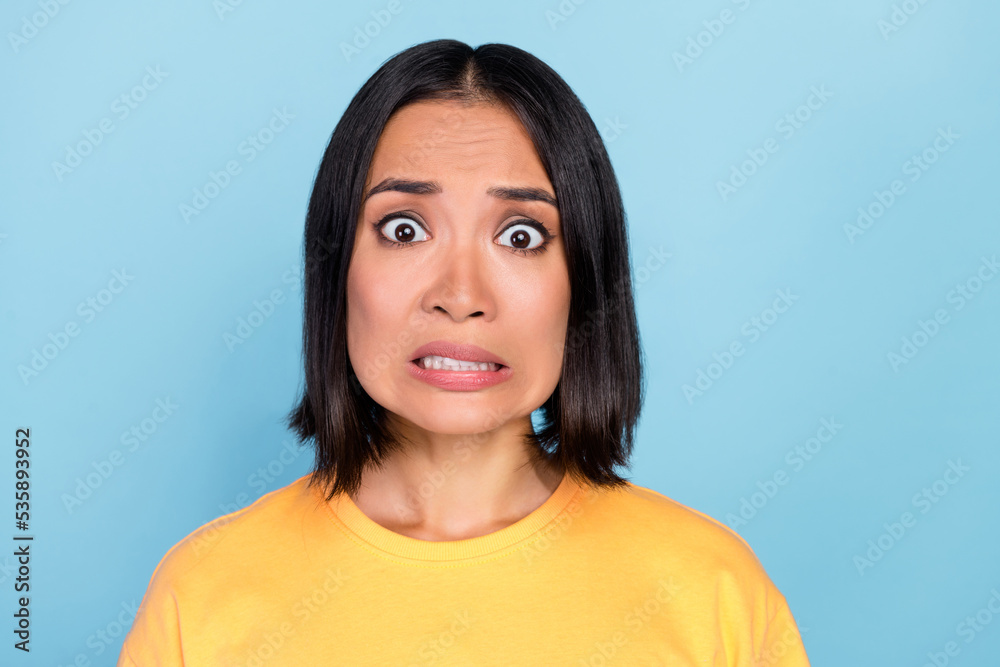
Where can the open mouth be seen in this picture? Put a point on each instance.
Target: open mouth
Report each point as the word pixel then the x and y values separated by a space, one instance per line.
pixel 434 362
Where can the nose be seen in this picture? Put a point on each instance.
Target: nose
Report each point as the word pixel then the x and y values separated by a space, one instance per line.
pixel 461 286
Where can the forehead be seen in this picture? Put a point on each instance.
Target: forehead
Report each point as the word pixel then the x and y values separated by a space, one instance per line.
pixel 441 138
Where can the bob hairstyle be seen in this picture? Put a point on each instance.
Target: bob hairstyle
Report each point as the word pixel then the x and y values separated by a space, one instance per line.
pixel 587 423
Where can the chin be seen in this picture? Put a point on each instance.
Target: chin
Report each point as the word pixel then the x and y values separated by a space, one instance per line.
pixel 448 418
pixel 465 424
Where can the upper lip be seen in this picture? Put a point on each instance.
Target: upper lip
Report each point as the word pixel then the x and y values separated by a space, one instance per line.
pixel 458 351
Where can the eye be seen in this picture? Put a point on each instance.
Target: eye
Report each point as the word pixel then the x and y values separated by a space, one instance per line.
pixel 526 236
pixel 400 229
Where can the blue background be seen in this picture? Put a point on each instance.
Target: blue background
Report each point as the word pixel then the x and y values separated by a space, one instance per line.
pixel 675 129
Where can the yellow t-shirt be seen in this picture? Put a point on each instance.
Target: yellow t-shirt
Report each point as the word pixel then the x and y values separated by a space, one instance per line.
pixel 590 578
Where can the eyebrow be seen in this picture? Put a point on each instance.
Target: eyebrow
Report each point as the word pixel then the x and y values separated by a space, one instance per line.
pixel 433 187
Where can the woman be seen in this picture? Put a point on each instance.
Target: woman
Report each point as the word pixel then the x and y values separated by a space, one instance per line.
pixel 466 265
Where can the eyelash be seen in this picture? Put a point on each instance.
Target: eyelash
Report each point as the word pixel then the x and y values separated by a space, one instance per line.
pixel 546 236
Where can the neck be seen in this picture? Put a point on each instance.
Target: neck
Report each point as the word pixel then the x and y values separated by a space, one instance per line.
pixel 451 487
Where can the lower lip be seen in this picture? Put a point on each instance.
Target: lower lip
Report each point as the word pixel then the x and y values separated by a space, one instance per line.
pixel 459 380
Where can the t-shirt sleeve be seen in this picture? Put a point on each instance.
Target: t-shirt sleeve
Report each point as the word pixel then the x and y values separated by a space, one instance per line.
pixel 782 645
pixel 154 639
pixel 124 659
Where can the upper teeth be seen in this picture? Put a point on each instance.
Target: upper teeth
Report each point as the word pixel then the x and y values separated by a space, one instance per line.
pixel 447 363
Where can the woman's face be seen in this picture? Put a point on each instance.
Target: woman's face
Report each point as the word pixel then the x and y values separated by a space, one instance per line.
pixel 478 260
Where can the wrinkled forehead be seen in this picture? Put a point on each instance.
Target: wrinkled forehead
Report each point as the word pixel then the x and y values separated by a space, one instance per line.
pixel 442 140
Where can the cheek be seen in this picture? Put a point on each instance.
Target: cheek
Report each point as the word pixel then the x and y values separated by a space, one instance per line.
pixel 362 316
pixel 376 307
pixel 363 326
pixel 556 319
pixel 545 317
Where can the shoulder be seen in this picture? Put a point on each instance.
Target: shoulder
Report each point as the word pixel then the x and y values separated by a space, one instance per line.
pixel 711 567
pixel 651 510
pixel 258 531
pixel 206 571
pixel 670 533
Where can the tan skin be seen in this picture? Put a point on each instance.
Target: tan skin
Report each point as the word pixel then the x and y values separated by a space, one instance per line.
pixel 459 277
